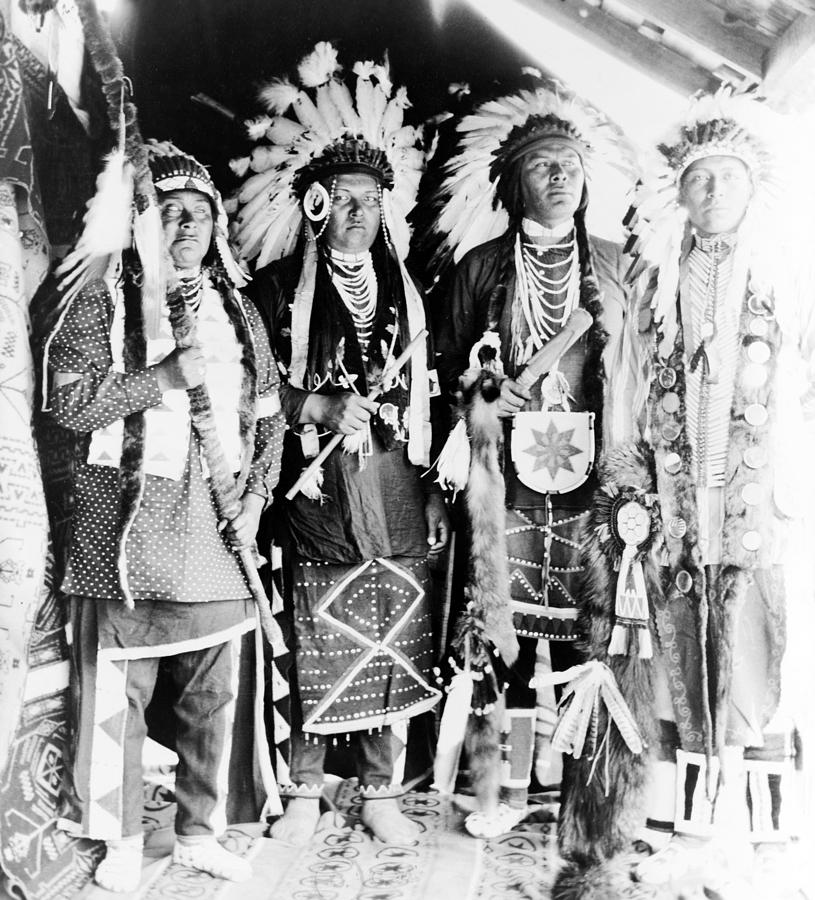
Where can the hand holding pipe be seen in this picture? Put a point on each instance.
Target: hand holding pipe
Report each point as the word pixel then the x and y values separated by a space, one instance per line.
pixel 390 370
pixel 550 354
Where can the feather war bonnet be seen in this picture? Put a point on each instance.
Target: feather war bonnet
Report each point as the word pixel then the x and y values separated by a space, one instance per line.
pixel 315 128
pixel 496 134
pixel 725 123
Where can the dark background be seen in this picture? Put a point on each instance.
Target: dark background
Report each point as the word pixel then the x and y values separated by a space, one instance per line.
pixel 227 49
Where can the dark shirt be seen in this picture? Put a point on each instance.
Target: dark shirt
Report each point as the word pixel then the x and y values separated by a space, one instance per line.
pixel 375 511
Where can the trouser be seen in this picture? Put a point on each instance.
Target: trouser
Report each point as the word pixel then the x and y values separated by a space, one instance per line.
pixel 110 745
pixel 758 779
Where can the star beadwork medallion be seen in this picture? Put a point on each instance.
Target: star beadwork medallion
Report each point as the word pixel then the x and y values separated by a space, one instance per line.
pixel 553 450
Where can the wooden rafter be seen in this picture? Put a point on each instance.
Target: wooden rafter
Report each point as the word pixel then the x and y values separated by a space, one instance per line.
pixel 619 40
pixel 789 76
pixel 738 45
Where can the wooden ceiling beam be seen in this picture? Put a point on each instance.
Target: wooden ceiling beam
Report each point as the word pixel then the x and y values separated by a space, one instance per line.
pixel 703 23
pixel 789 74
pixel 618 39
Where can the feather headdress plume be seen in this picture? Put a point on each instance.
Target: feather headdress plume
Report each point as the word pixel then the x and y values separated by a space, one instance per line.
pixel 106 226
pixel 318 127
pixel 725 123
pixel 498 132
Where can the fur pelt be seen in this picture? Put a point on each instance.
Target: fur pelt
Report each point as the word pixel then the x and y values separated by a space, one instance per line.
pixel 731 591
pixel 488 579
pixel 599 817
pixel 485 640
pixel 131 466
pixel 108 66
pixel 608 880
pixel 483 745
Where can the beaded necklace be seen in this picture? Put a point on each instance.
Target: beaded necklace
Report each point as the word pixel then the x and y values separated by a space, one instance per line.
pixel 354 278
pixel 547 291
pixel 191 288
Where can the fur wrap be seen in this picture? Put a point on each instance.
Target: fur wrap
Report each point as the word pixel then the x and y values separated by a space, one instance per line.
pixel 601 805
pixel 608 880
pixel 599 820
pixel 485 641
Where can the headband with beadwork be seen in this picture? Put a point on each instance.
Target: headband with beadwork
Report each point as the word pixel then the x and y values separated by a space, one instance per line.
pixel 173 170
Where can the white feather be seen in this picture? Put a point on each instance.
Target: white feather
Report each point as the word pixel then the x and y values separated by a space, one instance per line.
pixel 279 239
pixel 380 103
pixel 255 184
pixel 271 194
pixel 284 131
pixel 319 66
pixel 148 237
pixel 309 115
pixel 107 223
pixel 256 128
pixel 366 104
pixel 383 77
pixel 239 166
pixel 328 110
pixel 342 100
pixel 394 113
pixel 453 463
pixel 278 96
pixel 267 156
pixel 406 136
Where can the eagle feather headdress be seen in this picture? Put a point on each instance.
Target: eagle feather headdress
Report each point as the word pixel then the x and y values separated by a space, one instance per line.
pixel 470 211
pixel 316 125
pixel 722 124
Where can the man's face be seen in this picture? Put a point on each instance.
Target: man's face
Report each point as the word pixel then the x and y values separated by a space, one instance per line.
pixel 187 220
pixel 551 182
pixel 716 192
pixel 354 218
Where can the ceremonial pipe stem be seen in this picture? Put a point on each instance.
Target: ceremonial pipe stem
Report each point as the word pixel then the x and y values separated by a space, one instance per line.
pixel 397 365
pixel 549 355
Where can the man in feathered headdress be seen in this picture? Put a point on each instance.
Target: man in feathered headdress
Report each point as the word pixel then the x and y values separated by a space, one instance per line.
pixel 334 188
pixel 718 333
pixel 168 411
pixel 520 182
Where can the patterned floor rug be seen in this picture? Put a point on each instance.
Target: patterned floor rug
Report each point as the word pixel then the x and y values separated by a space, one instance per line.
pixel 342 862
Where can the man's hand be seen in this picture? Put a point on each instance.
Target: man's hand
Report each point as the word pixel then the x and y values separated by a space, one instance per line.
pixel 342 413
pixel 181 369
pixel 438 523
pixel 242 530
pixel 512 399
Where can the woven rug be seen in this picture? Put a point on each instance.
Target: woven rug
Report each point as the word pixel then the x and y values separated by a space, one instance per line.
pixel 342 862
pixel 521 864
